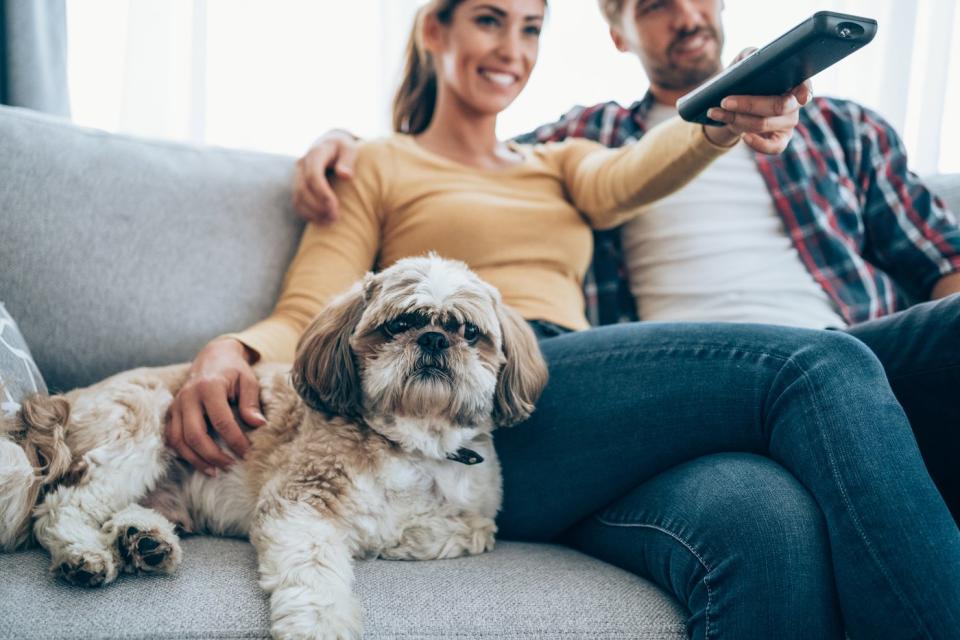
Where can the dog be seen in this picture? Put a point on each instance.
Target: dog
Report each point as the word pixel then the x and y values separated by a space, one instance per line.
pixel 377 444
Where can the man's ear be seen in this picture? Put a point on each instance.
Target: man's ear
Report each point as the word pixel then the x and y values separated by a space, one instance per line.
pixel 618 40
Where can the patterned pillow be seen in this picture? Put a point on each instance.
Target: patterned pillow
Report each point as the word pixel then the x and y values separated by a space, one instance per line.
pixel 19 375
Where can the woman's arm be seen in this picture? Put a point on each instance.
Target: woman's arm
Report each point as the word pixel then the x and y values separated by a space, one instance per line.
pixel 609 186
pixel 329 260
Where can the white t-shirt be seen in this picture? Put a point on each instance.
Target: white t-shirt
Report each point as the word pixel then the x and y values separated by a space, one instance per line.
pixel 717 251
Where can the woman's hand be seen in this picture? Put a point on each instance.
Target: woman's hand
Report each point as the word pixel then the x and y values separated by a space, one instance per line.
pixel 220 374
pixel 313 197
pixel 766 123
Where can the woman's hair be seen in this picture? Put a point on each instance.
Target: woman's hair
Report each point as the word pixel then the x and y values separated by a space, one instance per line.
pixel 417 95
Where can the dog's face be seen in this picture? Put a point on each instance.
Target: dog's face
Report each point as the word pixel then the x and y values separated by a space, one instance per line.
pixel 423 339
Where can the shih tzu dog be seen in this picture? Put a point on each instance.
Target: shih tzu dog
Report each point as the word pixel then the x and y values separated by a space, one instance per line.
pixel 377 444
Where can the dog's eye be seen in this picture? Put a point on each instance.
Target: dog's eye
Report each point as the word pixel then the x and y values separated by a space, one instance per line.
pixel 470 332
pixel 397 325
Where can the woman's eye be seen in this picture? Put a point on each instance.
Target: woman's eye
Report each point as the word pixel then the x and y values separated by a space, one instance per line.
pixel 398 325
pixel 487 21
pixel 532 31
pixel 471 332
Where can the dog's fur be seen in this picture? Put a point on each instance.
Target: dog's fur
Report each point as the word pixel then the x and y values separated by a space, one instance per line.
pixel 352 463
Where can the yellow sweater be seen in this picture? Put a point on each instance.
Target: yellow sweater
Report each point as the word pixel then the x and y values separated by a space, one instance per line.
pixel 524 229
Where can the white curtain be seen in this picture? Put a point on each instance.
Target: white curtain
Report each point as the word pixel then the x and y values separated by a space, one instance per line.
pixel 274 74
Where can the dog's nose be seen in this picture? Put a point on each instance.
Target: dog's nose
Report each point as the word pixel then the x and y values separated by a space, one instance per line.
pixel 433 342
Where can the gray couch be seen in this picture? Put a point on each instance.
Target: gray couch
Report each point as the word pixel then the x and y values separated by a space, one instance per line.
pixel 117 252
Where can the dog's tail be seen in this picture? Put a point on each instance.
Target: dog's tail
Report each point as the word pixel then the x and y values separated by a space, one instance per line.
pixel 33 455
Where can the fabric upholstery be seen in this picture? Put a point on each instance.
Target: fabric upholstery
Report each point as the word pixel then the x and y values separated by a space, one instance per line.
pixel 518 591
pixel 107 262
pixel 117 252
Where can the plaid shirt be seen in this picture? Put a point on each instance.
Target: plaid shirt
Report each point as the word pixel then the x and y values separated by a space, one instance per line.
pixel 864 226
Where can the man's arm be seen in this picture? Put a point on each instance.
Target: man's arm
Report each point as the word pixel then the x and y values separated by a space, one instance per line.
pixel 910 233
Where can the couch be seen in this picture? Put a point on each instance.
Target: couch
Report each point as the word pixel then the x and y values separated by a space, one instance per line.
pixel 118 252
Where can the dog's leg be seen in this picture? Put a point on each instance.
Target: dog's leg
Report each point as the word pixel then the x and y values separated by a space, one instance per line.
pixel 126 422
pixel 306 566
pixel 145 540
pixel 443 536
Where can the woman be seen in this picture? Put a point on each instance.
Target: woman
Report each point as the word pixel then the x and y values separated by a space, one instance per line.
pixel 827 512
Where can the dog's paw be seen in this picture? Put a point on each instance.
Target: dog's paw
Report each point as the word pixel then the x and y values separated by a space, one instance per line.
pixel 150 551
pixel 483 538
pixel 88 569
pixel 308 621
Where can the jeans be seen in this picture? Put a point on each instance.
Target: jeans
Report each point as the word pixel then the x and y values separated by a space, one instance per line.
pixel 920 352
pixel 767 477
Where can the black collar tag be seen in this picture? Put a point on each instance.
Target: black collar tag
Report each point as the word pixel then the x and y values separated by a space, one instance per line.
pixel 465 456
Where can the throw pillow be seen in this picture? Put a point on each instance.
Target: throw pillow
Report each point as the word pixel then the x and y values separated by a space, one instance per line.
pixel 19 375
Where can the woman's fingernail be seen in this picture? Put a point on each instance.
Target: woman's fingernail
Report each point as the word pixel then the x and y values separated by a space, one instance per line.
pixel 715 114
pixel 729 103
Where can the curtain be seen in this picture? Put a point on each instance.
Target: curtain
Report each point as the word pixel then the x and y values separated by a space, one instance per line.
pixel 33 55
pixel 274 74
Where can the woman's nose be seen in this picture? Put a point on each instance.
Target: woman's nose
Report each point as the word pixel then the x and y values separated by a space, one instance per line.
pixel 509 46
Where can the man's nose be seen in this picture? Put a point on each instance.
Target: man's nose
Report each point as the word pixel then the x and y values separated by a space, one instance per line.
pixel 687 16
pixel 433 342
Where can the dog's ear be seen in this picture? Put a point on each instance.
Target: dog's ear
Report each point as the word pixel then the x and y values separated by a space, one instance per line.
pixel 523 376
pixel 324 370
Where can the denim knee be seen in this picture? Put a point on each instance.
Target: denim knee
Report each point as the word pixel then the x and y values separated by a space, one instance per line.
pixel 735 538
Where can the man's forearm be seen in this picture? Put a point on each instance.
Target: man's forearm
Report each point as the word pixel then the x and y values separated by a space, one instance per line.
pixel 946 286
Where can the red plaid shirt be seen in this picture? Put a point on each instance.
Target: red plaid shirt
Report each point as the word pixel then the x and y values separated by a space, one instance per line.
pixel 865 227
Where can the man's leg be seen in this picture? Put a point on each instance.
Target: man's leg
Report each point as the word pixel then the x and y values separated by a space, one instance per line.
pixel 722 533
pixel 920 351
pixel 627 402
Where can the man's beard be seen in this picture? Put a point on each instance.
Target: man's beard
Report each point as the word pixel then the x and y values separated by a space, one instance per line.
pixel 670 76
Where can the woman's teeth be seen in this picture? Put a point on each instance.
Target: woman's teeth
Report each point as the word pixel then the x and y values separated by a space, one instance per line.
pixel 502 79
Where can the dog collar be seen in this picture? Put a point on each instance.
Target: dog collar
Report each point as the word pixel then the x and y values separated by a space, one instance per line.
pixel 465 456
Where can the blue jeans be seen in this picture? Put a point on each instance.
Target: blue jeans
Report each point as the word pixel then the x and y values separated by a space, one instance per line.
pixel 920 351
pixel 766 477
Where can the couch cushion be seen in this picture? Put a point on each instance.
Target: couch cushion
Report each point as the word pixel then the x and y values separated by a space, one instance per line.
pixel 520 591
pixel 117 252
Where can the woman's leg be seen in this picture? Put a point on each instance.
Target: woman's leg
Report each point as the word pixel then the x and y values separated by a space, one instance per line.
pixel 627 402
pixel 735 538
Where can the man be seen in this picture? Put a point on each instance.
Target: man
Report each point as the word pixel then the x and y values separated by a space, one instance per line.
pixel 834 233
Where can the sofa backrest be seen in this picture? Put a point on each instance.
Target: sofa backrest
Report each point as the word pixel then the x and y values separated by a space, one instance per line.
pixel 118 252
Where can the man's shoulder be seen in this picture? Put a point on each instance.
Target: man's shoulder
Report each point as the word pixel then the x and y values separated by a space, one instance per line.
pixel 606 122
pixel 842 116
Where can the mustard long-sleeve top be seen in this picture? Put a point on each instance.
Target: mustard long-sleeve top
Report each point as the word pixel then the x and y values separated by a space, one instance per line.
pixel 525 229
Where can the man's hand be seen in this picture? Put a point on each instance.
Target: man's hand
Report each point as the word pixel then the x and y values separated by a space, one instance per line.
pixel 946 286
pixel 333 154
pixel 220 373
pixel 765 122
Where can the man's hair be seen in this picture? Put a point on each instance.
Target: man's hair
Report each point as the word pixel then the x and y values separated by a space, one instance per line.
pixel 612 11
